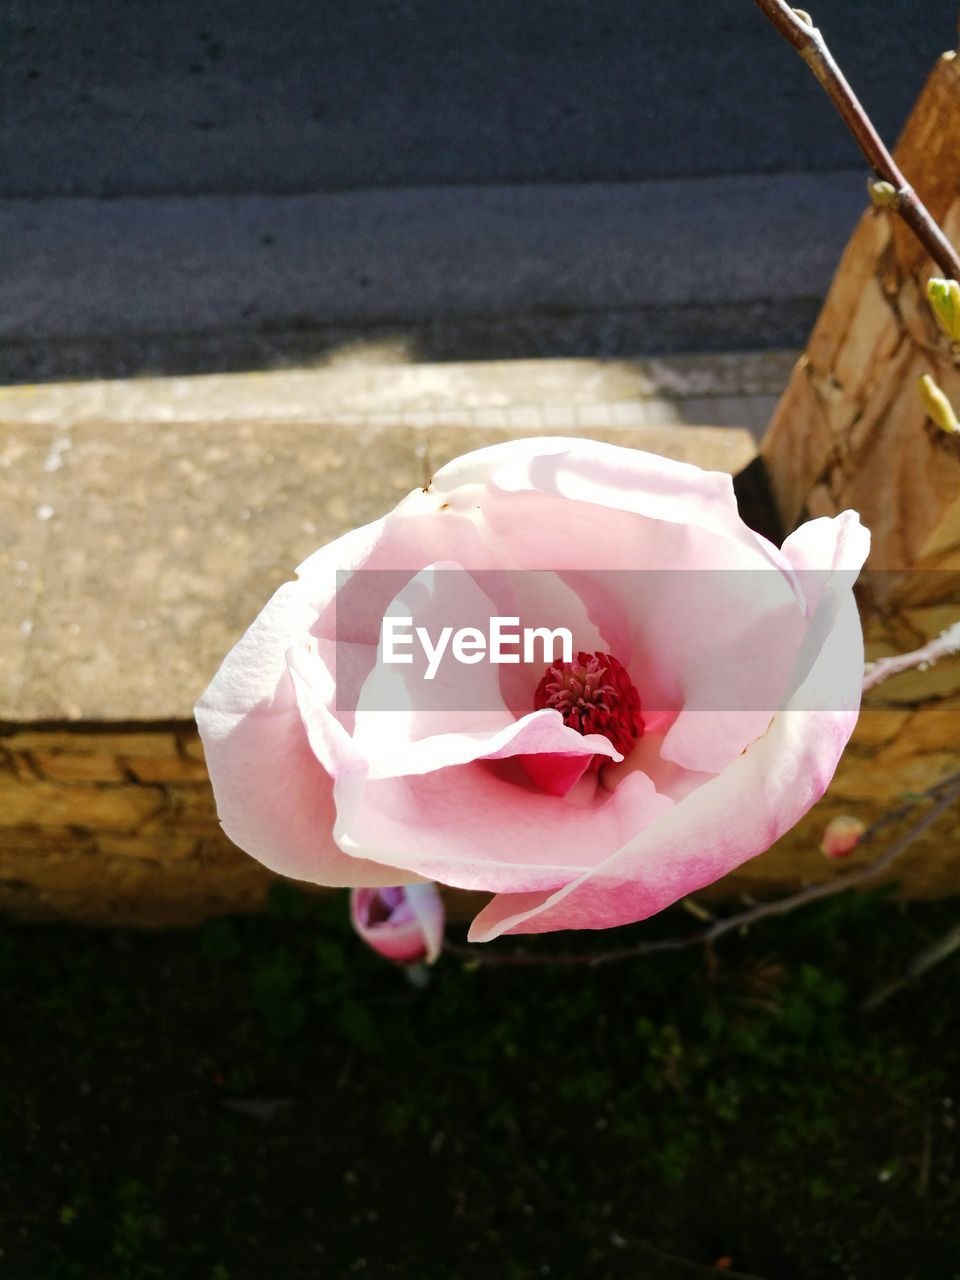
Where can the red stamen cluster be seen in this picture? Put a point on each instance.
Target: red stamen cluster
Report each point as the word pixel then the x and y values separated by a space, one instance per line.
pixel 594 694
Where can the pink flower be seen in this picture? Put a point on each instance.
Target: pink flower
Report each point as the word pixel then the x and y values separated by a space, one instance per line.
pixel 713 683
pixel 402 922
pixel 842 836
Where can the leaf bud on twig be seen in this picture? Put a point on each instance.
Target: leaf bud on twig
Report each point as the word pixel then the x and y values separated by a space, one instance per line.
pixel 883 195
pixel 944 299
pixel 938 407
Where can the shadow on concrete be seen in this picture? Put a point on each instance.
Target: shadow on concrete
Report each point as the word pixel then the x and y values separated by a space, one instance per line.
pixel 624 335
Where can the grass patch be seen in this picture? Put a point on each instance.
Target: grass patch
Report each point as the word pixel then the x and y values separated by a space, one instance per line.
pixel 264 1098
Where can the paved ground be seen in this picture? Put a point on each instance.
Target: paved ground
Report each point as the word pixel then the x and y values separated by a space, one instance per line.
pixel 265 184
pixel 108 99
pixel 601 269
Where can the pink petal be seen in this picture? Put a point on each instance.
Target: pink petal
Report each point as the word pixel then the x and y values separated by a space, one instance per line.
pixel 743 810
pixel 429 910
pixel 273 797
pixel 485 827
pixel 605 476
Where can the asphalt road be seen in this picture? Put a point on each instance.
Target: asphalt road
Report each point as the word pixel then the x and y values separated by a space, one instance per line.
pixel 131 97
pixel 574 177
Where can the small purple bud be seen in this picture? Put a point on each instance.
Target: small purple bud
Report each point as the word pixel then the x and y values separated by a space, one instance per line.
pixel 404 922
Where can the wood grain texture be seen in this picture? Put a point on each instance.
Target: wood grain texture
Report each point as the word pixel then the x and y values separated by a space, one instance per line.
pixel 850 430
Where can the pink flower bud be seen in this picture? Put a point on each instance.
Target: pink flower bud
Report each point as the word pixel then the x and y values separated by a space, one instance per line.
pixel 404 923
pixel 842 836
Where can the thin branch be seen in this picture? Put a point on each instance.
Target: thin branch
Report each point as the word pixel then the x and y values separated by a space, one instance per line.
pixel 933 955
pixel 620 1239
pixel 944 794
pixel 812 47
pixel 947 643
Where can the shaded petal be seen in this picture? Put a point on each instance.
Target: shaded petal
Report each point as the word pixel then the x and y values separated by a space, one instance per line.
pixel 481 826
pixel 729 819
pixel 274 798
pixel 428 908
pixel 605 475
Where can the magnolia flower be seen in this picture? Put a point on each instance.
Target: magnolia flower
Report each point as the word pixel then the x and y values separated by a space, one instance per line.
pixel 402 922
pixel 710 686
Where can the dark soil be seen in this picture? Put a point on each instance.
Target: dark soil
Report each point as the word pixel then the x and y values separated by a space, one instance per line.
pixel 263 1099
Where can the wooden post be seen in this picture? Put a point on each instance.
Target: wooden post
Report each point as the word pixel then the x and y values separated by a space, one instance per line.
pixel 851 431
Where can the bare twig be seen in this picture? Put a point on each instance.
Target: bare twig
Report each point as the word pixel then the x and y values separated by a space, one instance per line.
pixel 812 47
pixel 619 1239
pixel 944 794
pixel 933 955
pixel 926 1152
pixel 947 643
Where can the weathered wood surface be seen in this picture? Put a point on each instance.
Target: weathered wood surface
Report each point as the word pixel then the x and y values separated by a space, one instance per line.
pixel 851 432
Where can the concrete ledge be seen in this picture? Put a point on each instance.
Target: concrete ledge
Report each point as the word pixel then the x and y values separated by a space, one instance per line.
pixel 134 564
pixel 150 520
pixel 378 381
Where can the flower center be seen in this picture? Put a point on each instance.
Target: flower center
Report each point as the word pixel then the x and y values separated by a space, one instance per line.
pixel 594 694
